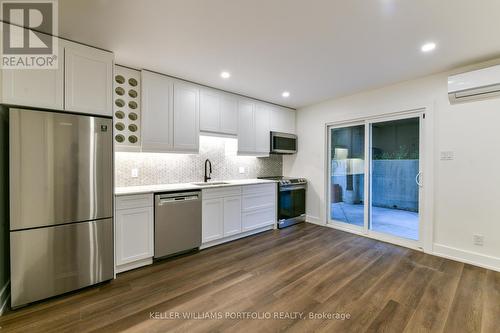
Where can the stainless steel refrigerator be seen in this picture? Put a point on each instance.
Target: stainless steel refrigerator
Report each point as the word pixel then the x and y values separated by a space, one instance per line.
pixel 61 203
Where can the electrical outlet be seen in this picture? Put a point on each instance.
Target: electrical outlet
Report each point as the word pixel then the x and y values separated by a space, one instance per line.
pixel 241 169
pixel 478 240
pixel 447 155
pixel 134 173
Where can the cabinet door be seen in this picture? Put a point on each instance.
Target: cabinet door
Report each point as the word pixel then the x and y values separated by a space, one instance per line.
pixel 88 80
pixel 186 117
pixel 232 215
pixel 157 117
pixel 282 120
pixel 262 131
pixel 246 127
pixel 209 111
pixel 228 114
pixel 134 235
pixel 212 219
pixel 35 87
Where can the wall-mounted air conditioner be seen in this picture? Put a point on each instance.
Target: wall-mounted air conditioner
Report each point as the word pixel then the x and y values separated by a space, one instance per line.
pixel 474 85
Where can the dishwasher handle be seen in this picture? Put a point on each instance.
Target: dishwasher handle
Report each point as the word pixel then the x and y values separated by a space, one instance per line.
pixel 177 197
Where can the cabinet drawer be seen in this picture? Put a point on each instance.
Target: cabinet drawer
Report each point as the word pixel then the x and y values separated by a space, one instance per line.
pixel 221 192
pixel 261 189
pixel 258 201
pixel 134 201
pixel 258 218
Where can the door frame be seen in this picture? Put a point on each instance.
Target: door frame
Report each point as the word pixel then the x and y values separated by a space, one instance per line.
pixel 426 193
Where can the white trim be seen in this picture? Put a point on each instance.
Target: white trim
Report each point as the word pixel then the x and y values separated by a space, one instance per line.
pixel 373 118
pixel 4 297
pixel 447 252
pixel 314 220
pixel 133 265
pixel 235 237
pixel 427 165
pixel 378 236
pixel 468 257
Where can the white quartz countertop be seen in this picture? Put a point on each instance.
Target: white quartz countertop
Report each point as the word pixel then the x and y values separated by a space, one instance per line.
pixel 143 189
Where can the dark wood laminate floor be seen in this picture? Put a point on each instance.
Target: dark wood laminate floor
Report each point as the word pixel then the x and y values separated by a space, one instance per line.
pixel 305 268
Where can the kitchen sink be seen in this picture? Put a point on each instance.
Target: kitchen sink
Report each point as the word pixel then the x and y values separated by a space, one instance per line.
pixel 210 183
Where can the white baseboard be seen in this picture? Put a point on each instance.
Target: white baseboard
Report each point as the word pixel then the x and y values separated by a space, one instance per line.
pixel 235 237
pixel 467 257
pixel 4 297
pixel 314 220
pixel 133 265
pixel 448 252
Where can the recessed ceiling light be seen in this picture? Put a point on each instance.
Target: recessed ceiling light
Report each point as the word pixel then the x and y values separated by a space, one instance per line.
pixel 285 94
pixel 428 47
pixel 225 75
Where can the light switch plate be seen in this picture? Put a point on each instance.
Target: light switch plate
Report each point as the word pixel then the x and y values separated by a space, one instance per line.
pixel 447 155
pixel 478 240
pixel 241 169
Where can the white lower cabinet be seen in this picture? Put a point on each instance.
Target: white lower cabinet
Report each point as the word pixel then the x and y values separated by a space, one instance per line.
pixel 221 217
pixel 258 218
pixel 212 219
pixel 258 206
pixel 221 213
pixel 229 212
pixel 232 215
pixel 134 231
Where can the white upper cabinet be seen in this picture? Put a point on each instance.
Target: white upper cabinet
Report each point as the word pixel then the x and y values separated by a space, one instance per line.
pixel 186 117
pixel 246 127
pixel 228 114
pixel 218 112
pixel 35 87
pixel 282 120
pixel 170 114
pixel 88 79
pixel 157 112
pixel 253 128
pixel 262 128
pixel 209 111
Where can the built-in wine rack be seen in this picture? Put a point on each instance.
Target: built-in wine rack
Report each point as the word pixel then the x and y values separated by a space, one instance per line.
pixel 127 109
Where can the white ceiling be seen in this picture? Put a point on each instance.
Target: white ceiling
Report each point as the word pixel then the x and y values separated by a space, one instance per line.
pixel 316 49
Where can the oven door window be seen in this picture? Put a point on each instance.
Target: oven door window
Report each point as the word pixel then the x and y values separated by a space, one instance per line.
pixel 283 143
pixel 292 203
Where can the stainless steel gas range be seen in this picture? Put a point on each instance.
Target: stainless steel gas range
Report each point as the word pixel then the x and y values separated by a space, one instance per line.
pixel 291 200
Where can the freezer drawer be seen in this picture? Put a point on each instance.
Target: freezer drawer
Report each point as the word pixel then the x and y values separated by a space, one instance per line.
pixel 61 168
pixel 50 261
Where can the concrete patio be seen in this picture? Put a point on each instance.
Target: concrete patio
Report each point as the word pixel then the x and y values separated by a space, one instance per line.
pixel 396 222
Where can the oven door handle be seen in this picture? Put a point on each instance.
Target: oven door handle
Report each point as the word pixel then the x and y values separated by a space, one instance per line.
pixel 292 188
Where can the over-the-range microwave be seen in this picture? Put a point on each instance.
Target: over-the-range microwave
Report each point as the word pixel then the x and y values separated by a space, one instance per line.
pixel 283 143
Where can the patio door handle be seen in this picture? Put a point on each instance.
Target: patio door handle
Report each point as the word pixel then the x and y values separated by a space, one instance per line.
pixel 417 179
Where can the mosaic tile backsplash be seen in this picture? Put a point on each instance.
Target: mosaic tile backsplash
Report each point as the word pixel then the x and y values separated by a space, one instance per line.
pixel 156 169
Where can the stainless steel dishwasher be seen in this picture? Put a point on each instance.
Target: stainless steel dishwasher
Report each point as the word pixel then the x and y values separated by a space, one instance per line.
pixel 177 222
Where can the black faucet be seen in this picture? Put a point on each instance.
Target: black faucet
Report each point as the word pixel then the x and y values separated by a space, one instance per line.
pixel 209 173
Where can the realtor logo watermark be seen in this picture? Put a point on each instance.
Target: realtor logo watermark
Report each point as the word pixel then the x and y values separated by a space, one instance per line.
pixel 27 34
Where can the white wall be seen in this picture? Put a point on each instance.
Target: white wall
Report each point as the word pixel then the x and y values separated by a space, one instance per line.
pixel 466 190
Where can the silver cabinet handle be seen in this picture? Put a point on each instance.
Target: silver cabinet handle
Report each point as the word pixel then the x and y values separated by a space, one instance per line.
pixel 417 179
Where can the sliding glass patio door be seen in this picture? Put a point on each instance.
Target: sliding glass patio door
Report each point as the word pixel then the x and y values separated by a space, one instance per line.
pixel 375 177
pixel 347 176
